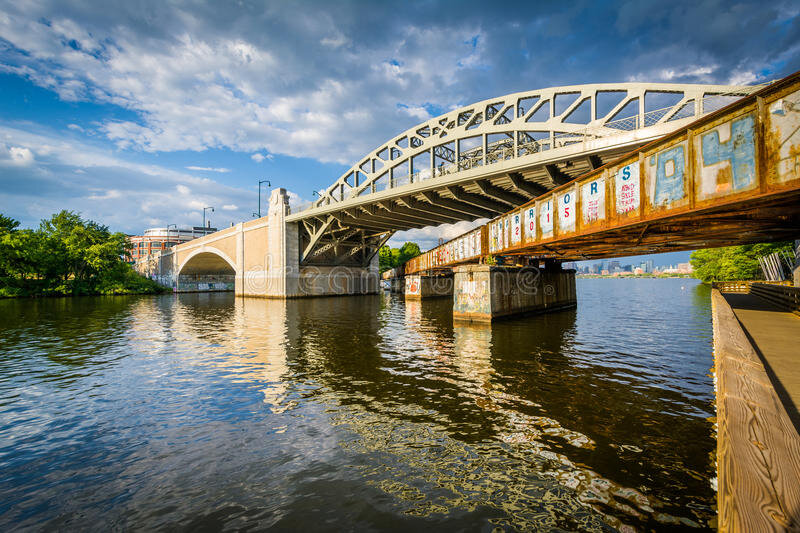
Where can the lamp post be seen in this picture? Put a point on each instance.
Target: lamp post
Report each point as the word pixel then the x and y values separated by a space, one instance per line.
pixel 259 194
pixel 204 219
pixel 168 239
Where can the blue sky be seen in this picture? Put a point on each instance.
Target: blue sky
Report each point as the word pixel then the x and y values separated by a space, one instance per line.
pixel 139 114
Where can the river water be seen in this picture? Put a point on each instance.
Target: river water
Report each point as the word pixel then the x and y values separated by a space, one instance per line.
pixel 204 411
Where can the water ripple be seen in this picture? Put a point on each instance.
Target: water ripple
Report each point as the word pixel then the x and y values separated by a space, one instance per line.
pixel 369 413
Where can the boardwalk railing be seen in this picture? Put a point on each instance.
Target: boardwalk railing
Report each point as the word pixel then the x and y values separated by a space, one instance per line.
pixel 779 293
pixel 784 296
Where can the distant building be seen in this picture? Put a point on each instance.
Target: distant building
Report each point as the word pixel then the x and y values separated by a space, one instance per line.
pixel 158 239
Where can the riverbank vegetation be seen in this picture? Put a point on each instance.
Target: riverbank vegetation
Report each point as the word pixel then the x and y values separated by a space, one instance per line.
pixel 734 263
pixel 66 255
pixel 393 257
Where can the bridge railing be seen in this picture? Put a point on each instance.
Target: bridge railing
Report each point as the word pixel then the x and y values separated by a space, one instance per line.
pixel 723 158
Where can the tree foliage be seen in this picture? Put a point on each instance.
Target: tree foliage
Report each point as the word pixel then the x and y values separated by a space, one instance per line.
pixel 394 257
pixel 66 255
pixel 733 263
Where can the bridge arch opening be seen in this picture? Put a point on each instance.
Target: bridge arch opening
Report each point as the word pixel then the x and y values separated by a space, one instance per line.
pixel 206 271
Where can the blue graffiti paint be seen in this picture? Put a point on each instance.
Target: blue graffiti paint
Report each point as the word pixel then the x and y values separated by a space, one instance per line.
pixel 739 150
pixel 669 187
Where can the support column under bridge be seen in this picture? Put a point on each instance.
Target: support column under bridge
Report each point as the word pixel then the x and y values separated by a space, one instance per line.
pixel 483 293
pixel 428 285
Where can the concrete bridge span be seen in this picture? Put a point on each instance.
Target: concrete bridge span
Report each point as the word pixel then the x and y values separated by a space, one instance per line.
pixel 258 258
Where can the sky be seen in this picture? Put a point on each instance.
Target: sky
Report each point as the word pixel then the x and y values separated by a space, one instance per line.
pixel 139 114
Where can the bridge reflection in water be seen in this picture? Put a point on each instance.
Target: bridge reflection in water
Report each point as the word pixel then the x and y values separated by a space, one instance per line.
pixel 369 411
pixel 550 416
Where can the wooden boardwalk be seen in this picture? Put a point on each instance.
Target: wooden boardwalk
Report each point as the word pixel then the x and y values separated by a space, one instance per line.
pixel 756 347
pixel 775 334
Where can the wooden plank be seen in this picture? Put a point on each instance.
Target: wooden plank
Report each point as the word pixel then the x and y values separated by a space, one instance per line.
pixel 758 448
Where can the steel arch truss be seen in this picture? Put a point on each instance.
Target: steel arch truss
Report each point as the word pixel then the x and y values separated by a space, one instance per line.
pixel 333 240
pixel 482 159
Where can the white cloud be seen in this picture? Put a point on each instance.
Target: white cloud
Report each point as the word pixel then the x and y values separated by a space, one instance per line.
pixel 258 157
pixel 692 71
pixel 428 237
pixel 16 155
pixel 102 186
pixel 739 77
pixel 334 41
pixel 676 74
pixel 209 169
pixel 418 112
pixel 200 88
pixel 110 194
pixel 296 202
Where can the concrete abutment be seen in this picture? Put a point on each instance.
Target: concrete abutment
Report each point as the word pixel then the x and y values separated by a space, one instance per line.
pixel 483 293
pixel 422 286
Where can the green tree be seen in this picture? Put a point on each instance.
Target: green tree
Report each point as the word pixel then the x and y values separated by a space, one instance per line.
pixel 733 263
pixel 385 261
pixel 66 255
pixel 7 224
pixel 394 257
pixel 409 250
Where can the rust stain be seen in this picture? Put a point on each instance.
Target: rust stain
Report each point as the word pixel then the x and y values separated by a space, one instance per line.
pixel 772 143
pixel 724 180
pixel 794 157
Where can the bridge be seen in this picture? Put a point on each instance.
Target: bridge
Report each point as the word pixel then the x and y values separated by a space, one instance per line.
pixel 475 162
pixel 731 177
pixel 564 173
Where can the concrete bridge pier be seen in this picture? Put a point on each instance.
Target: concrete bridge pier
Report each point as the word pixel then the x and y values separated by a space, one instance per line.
pixel 482 293
pixel 428 285
pixel 397 285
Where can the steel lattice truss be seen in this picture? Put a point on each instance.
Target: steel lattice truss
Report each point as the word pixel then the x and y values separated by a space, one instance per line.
pixel 483 159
